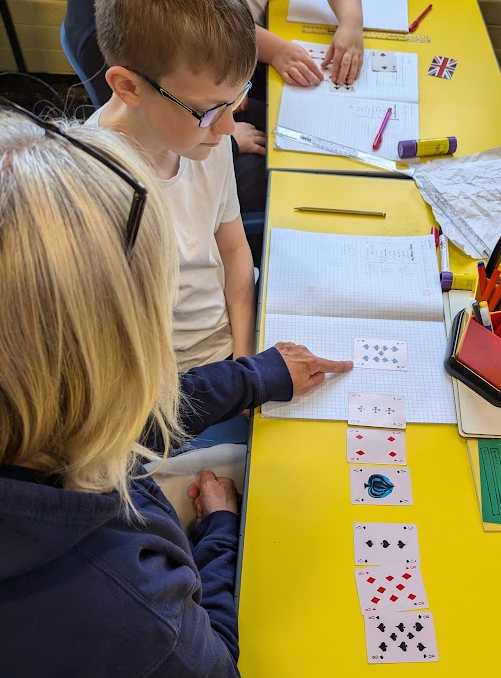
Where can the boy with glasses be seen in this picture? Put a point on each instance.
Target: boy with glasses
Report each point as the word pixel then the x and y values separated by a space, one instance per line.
pixel 177 71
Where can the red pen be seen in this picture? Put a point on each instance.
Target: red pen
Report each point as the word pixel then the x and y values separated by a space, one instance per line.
pixel 482 278
pixel 435 234
pixel 416 23
pixel 379 135
pixel 495 299
pixel 491 284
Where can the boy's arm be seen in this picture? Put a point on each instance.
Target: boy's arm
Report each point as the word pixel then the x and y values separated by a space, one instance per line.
pixel 239 286
pixel 346 50
pixel 290 61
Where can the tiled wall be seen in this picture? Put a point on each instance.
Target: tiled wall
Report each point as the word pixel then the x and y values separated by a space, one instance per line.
pixel 38 22
pixel 37 25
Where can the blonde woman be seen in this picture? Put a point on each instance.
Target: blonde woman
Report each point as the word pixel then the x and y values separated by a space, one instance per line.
pixel 96 577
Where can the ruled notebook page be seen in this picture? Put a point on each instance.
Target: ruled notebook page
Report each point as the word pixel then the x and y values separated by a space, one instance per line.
pixel 386 15
pixel 350 122
pixel 325 290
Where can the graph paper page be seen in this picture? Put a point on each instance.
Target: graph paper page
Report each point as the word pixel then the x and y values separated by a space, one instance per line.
pixel 426 386
pixel 402 84
pixel 344 119
pixel 386 15
pixel 321 274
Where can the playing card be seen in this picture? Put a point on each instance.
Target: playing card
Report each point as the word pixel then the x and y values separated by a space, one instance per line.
pixel 380 485
pixel 375 446
pixel 399 587
pixel 340 88
pixel 373 409
pixel 385 543
pixel 398 637
pixel 380 354
pixel 383 61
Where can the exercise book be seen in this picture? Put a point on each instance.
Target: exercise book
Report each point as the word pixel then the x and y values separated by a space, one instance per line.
pixel 328 291
pixel 353 116
pixel 384 15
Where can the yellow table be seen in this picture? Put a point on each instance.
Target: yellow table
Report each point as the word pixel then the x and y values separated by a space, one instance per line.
pixel 467 106
pixel 299 611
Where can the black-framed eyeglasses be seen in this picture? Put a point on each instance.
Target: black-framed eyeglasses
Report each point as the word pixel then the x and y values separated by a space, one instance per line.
pixel 140 192
pixel 204 119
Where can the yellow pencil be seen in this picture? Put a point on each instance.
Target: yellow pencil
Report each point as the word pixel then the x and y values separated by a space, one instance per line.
pixel 332 210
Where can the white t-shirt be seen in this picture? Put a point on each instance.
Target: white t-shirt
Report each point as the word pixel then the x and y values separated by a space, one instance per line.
pixel 258 10
pixel 199 198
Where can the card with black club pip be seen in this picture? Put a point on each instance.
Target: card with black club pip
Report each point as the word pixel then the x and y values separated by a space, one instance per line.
pixel 380 354
pixel 375 446
pixel 378 410
pixel 380 485
pixel 395 587
pixel 383 61
pixel 386 544
pixel 400 637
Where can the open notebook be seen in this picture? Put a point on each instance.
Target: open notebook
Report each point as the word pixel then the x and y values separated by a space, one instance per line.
pixel 325 290
pixel 353 118
pixel 384 15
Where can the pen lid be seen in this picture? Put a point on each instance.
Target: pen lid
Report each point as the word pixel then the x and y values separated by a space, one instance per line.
pixel 453 144
pixel 446 278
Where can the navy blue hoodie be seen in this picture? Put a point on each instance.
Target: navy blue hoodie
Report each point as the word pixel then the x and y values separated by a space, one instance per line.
pixel 85 593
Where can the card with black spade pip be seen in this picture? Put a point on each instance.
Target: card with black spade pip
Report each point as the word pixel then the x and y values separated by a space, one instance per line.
pixel 384 61
pixel 400 637
pixel 386 543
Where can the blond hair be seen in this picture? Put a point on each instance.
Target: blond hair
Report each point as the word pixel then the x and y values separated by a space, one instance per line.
pixel 85 337
pixel 155 37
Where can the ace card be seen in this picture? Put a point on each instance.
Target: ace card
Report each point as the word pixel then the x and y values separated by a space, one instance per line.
pixel 396 588
pixel 375 446
pixel 385 544
pixel 378 410
pixel 380 354
pixel 383 61
pixel 400 637
pixel 380 485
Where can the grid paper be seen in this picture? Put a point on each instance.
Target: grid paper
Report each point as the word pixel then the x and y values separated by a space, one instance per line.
pixel 343 119
pixel 344 286
pixel 386 15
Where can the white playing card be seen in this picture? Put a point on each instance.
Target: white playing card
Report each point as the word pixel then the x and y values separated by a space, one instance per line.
pixel 383 61
pixel 380 485
pixel 375 446
pixel 399 588
pixel 385 543
pixel 374 409
pixel 399 637
pixel 380 354
pixel 340 88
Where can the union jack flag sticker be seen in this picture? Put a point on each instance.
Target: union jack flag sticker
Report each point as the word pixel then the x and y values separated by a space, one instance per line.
pixel 442 67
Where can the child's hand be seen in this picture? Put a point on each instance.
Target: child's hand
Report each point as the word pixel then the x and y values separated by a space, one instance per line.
pixel 249 139
pixel 346 52
pixel 295 66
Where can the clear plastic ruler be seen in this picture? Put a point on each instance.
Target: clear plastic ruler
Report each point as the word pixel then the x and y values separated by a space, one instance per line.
pixel 378 35
pixel 344 151
pixel 440 202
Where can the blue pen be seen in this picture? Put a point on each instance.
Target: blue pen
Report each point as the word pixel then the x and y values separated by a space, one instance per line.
pixel 486 316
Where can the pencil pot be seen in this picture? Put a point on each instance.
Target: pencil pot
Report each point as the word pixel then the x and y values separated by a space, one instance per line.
pixel 474 356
